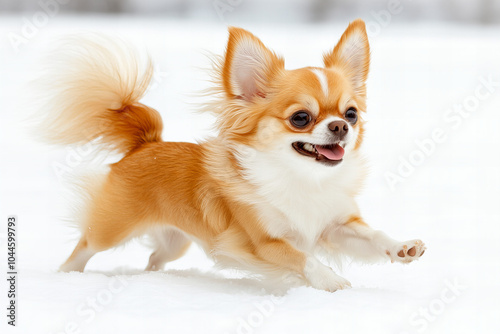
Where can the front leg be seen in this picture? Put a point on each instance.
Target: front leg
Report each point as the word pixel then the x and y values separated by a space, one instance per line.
pixel 280 253
pixel 246 235
pixel 357 240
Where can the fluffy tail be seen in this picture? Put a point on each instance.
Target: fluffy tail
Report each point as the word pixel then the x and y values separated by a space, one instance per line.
pixel 93 88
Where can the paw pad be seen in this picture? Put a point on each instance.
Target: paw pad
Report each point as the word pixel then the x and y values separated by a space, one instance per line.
pixel 407 251
pixel 412 251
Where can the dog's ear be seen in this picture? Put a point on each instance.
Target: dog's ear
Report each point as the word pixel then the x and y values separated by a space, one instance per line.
pixel 248 66
pixel 352 55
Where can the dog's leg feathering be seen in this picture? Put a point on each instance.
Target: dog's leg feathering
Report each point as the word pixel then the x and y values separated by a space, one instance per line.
pixel 356 239
pixel 171 244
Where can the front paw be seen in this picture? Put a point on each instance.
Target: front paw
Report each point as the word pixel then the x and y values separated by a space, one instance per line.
pixel 329 282
pixel 324 278
pixel 406 252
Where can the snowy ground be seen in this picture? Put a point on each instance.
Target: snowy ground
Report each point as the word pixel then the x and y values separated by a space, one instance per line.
pixel 448 193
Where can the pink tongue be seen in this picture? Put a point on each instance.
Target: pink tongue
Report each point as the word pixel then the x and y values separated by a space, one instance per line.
pixel 334 153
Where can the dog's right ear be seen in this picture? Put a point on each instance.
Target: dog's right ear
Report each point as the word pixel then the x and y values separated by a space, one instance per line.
pixel 248 66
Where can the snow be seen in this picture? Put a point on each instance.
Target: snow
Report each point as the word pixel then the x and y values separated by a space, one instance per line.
pixel 449 199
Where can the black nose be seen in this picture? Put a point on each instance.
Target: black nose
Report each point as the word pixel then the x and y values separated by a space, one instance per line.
pixel 339 129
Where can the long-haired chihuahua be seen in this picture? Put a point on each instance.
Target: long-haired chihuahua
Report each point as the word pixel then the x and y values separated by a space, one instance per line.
pixel 274 188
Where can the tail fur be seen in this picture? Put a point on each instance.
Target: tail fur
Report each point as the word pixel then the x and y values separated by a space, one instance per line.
pixel 93 90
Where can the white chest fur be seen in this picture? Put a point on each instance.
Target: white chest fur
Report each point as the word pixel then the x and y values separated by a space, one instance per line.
pixel 298 199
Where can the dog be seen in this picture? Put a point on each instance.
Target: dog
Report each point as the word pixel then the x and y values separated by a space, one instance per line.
pixel 271 191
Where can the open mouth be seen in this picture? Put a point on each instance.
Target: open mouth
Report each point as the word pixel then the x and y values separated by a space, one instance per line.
pixel 329 155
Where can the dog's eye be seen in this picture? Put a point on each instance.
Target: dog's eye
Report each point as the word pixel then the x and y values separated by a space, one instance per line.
pixel 300 119
pixel 351 115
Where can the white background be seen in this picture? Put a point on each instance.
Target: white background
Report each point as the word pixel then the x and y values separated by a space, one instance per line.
pixel 450 199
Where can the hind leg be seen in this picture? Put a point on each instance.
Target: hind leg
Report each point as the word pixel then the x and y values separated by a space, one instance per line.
pixel 118 210
pixel 91 243
pixel 170 244
pixel 79 258
pixel 102 237
pixel 102 233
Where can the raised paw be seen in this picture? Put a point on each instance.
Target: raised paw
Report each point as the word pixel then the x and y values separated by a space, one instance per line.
pixel 407 251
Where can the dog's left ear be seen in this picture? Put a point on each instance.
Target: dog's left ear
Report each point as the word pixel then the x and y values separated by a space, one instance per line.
pixel 248 66
pixel 352 55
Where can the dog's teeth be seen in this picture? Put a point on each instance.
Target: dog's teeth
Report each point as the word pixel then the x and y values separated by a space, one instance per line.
pixel 309 147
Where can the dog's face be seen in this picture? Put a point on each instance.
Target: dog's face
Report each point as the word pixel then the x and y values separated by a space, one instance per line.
pixel 304 116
